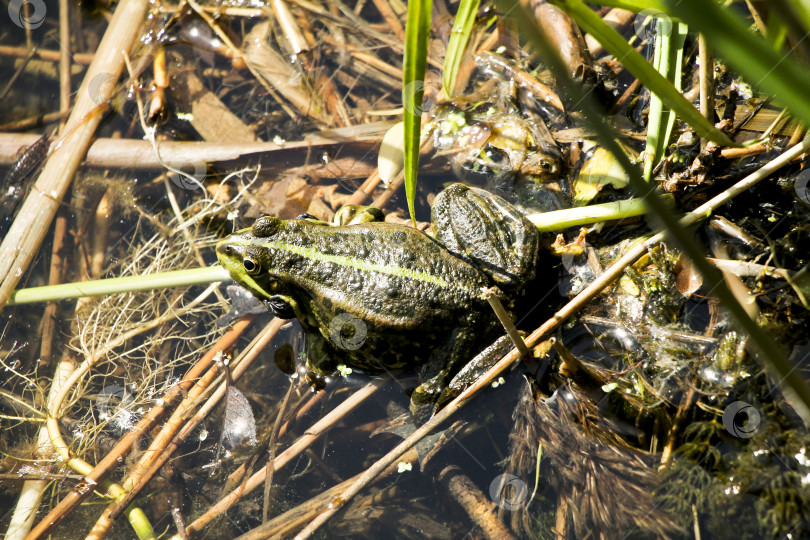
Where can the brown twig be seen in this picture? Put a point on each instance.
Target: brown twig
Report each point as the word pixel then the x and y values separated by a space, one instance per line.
pixel 143 472
pixel 19 71
pixel 687 401
pixel 706 82
pixel 34 121
pixel 140 155
pixel 116 455
pixel 271 453
pixel 312 434
pixel 390 18
pixel 478 506
pixel 64 57
pixel 282 525
pixel 44 54
pixel 177 429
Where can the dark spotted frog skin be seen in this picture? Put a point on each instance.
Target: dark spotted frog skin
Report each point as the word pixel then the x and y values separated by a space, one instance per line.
pixel 382 297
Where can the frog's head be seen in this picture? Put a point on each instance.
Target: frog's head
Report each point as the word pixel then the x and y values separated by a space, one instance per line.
pixel 246 255
pixel 542 164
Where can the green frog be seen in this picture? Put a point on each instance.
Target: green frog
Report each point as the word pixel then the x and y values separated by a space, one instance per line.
pixel 382 297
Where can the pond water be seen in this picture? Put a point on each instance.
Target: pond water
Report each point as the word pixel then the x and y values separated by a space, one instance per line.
pixel 651 414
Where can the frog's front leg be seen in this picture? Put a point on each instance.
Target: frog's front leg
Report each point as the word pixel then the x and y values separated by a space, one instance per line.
pixel 320 359
pixel 489 231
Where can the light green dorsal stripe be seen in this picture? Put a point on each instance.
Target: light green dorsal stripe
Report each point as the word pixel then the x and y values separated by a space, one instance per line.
pixel 342 260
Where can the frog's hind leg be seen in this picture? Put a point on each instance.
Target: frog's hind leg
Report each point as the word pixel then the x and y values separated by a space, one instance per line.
pixel 440 367
pixel 448 372
pixel 474 369
pixel 489 231
pixel 435 392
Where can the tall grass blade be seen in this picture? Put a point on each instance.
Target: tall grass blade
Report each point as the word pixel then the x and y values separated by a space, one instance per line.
pixel 460 36
pixel 636 6
pixel 417 35
pixel 668 62
pixel 749 54
pixel 616 45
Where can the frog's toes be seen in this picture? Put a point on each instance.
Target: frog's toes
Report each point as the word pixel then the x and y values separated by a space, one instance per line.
pixel 423 404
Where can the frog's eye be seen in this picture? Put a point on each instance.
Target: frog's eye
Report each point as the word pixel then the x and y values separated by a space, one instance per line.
pixel 494 154
pixel 252 266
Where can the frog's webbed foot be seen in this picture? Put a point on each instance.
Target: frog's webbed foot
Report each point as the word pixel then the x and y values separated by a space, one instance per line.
pixel 402 425
pixel 424 398
pixel 489 231
pixel 444 361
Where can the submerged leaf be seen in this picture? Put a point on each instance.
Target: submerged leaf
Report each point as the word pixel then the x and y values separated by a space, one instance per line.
pixel 240 425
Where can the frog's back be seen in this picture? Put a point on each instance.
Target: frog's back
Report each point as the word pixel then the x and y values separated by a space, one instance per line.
pixel 389 275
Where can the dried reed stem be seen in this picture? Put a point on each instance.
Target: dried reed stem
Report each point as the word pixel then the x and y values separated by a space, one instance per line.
pixel 35 216
pixel 114 458
pixel 312 434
